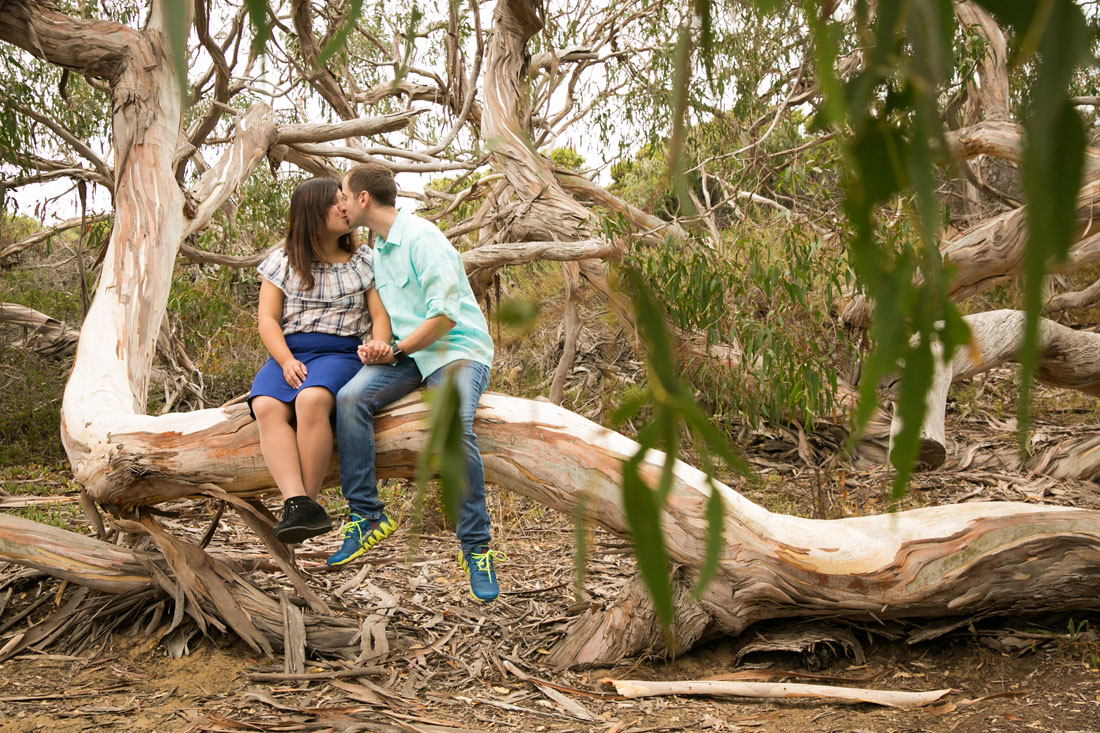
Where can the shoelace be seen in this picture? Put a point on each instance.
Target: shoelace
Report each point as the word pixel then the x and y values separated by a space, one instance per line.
pixel 482 558
pixel 346 529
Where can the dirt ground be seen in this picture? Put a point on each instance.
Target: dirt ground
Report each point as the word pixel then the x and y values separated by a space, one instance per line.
pixel 450 665
pixel 132 685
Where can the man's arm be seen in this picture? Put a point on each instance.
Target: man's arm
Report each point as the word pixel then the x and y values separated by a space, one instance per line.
pixel 427 333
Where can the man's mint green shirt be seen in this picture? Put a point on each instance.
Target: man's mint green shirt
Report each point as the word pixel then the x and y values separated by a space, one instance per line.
pixel 419 275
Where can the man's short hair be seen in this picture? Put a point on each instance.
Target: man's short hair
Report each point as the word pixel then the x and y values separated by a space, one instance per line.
pixel 375 179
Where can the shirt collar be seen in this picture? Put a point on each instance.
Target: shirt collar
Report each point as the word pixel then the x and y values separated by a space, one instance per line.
pixel 397 230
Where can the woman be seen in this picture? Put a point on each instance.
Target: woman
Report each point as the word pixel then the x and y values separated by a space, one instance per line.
pixel 317 302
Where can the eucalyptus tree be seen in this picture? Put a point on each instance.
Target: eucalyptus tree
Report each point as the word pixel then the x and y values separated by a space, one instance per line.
pixel 187 118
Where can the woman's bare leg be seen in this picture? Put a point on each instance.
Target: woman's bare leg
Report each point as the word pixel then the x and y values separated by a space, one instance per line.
pixel 279 444
pixel 313 408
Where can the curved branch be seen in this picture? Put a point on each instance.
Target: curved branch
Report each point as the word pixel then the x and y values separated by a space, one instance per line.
pixel 1086 298
pixel 993 252
pixel 98 48
pixel 78 145
pixel 254 135
pixel 41 236
pixel 1066 358
pixel 362 156
pixel 994 92
pixel 82 174
pixel 215 258
pixel 471 84
pixel 518 253
pixel 206 124
pixel 1002 139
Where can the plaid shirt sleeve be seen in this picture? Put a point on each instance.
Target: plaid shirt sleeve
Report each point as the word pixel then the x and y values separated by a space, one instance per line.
pixel 275 268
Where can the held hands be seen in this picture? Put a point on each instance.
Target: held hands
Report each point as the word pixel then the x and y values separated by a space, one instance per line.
pixel 294 372
pixel 375 352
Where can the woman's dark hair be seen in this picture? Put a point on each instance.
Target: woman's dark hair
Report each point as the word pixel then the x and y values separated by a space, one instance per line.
pixel 306 223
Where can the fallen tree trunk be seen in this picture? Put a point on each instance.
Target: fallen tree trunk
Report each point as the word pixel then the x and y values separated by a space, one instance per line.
pixel 978 558
pixel 966 559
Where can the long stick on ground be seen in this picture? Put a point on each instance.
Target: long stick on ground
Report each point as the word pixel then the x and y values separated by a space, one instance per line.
pixel 889 698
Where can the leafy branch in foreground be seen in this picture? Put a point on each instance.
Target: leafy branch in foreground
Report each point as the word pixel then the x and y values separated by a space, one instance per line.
pixel 672 409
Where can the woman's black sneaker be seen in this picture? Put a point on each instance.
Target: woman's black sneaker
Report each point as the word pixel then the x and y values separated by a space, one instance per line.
pixel 302 518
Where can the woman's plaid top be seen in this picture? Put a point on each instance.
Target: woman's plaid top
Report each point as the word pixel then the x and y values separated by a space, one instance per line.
pixel 336 304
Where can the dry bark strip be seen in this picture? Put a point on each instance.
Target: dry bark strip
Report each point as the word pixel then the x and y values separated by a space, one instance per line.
pixel 45 334
pixel 773 690
pixel 214 594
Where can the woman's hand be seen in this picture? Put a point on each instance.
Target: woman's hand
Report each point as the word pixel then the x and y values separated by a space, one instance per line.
pixel 375 352
pixel 294 372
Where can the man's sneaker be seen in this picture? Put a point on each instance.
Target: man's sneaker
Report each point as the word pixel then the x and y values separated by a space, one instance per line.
pixel 478 565
pixel 361 534
pixel 302 518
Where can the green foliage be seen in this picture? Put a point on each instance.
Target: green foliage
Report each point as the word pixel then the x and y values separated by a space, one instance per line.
pixel 456 186
pixel 30 406
pixel 673 411
pixel 1053 156
pixel 258 219
pixel 30 400
pixel 567 157
pixel 890 118
pixel 518 313
pixel 772 298
pixel 642 181
pixel 216 308
pixel 443 453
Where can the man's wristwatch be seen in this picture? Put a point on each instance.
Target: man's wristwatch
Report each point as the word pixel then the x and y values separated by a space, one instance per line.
pixel 398 354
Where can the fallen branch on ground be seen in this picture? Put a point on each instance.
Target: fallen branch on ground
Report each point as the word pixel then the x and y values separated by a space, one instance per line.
pixel 889 698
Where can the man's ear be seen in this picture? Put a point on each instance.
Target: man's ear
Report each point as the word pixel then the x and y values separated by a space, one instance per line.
pixel 364 199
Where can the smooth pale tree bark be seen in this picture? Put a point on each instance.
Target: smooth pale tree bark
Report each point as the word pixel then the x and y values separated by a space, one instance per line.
pixel 994 94
pixel 789 690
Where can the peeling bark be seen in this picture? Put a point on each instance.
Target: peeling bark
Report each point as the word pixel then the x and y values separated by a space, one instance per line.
pixel 993 252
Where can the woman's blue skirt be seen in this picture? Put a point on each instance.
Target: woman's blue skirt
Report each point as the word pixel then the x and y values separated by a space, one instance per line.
pixel 330 362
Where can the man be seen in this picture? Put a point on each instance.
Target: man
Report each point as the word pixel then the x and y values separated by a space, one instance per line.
pixel 438 330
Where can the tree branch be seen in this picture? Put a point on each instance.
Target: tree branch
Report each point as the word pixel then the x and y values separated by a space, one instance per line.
pixel 98 48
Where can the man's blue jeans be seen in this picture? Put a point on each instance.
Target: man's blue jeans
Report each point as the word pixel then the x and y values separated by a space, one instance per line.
pixel 376 386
